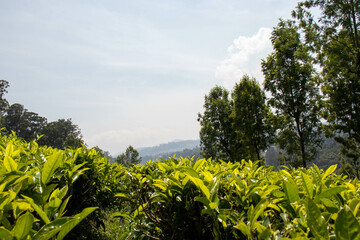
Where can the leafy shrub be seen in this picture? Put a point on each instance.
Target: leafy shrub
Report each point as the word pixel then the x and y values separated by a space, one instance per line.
pixel 183 199
pixel 34 190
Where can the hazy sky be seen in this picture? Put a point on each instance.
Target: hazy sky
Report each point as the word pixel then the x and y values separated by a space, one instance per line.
pixel 131 72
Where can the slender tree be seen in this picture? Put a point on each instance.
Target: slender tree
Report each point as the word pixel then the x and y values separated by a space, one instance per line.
pixel 334 38
pixel 249 114
pixel 290 78
pixel 4 104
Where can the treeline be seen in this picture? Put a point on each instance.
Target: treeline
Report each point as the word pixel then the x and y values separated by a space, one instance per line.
pixel 28 125
pixel 60 134
pixel 311 89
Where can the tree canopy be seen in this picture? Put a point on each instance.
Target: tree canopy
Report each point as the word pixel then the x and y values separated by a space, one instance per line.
pixel 236 128
pixel 291 79
pixel 334 38
pixel 61 134
pixel 27 125
pixel 129 157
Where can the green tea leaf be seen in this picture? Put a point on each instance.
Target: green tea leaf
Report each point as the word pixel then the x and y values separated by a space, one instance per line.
pixel 346 225
pixel 316 222
pixel 41 213
pixel 329 171
pixel 9 164
pixel 50 166
pixel 23 225
pixel 198 164
pixel 5 234
pixel 309 186
pixel 68 226
pixel 243 228
pixel 329 193
pixel 259 209
pixel 200 184
pixel 51 229
pixel 291 191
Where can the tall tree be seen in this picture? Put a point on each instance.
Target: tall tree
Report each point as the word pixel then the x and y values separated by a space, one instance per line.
pixel 61 134
pixel 4 104
pixel 217 136
pixel 290 78
pixel 129 158
pixel 249 114
pixel 25 124
pixel 334 38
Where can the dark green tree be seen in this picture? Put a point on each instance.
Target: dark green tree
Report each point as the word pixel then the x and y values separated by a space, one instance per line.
pixel 129 157
pixel 4 104
pixel 61 134
pixel 217 136
pixel 27 125
pixel 334 37
pixel 249 115
pixel 290 78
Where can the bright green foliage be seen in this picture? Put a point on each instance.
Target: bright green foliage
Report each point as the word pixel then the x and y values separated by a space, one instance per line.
pixel 290 78
pixel 184 199
pixel 34 190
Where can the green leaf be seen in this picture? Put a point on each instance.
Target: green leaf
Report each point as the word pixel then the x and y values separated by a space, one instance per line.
pixel 315 221
pixel 291 191
pixel 63 191
pixel 62 211
pixel 198 164
pixel 9 164
pixel 5 234
pixel 329 171
pixel 49 230
pixel 124 215
pixel 259 209
pixel 346 225
pixel 23 225
pixel 68 226
pixel 309 186
pixel 50 166
pixel 41 213
pixel 329 193
pixel 191 172
pixel 200 184
pixel 243 228
pixel 123 195
pixel 203 200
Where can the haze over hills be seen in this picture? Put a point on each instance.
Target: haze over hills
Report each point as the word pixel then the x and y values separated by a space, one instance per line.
pixel 188 147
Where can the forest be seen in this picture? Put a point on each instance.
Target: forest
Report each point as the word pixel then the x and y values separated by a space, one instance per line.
pixel 52 186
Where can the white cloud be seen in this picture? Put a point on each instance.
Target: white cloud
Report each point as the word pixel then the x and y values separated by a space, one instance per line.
pixel 244 57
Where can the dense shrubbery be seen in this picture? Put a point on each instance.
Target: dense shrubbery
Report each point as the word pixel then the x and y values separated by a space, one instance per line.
pixel 34 190
pixel 45 193
pixel 183 199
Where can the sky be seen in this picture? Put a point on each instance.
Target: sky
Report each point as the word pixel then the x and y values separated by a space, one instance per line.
pixel 131 72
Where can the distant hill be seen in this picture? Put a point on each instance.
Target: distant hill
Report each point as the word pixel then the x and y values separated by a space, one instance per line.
pixel 187 147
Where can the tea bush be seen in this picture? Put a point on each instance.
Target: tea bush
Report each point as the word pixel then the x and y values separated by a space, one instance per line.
pixel 184 199
pixel 34 190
